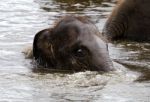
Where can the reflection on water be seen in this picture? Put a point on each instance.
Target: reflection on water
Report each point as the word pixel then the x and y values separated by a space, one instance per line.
pixel 21 19
pixel 96 9
pixel 134 56
pixel 70 5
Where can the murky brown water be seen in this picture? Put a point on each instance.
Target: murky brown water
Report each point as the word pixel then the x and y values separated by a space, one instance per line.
pixel 21 19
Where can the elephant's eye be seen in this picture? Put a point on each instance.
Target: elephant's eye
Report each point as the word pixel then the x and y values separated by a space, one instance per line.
pixel 80 52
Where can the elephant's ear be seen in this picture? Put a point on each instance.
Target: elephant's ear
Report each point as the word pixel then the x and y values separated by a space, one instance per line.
pixel 43 34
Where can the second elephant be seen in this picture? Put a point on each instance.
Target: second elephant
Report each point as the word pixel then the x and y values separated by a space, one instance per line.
pixel 129 20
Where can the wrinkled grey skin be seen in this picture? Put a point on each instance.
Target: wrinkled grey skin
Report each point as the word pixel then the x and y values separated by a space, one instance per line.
pixel 75 44
pixel 97 46
pixel 130 20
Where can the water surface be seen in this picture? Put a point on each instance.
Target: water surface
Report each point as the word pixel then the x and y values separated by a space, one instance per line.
pixel 20 20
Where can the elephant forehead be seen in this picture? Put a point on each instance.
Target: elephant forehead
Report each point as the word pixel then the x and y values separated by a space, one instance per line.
pixel 93 42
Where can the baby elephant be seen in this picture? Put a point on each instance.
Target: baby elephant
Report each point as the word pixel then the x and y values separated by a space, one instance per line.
pixel 75 44
pixel 130 20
